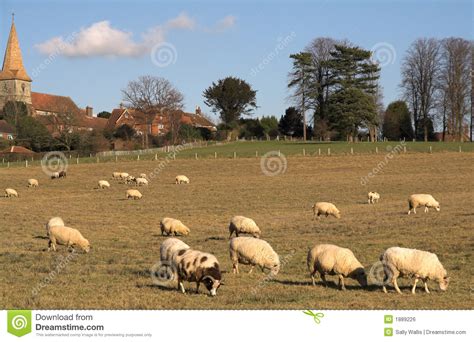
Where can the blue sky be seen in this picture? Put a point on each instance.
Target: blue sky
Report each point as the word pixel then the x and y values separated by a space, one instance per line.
pixel 211 40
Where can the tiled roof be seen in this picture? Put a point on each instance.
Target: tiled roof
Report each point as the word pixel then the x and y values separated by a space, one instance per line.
pixel 53 103
pixel 17 149
pixel 5 127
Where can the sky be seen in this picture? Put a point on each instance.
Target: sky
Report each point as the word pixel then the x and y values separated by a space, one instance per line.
pixel 90 50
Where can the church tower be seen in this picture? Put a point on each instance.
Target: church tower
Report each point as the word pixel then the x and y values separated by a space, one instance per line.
pixel 15 84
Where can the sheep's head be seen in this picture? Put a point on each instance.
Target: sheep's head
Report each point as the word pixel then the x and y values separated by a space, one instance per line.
pixel 275 269
pixel 212 284
pixel 360 275
pixel 337 214
pixel 444 283
pixel 85 245
pixel 437 206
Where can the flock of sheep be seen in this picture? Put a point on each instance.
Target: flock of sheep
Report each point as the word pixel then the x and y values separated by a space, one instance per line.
pixel 196 266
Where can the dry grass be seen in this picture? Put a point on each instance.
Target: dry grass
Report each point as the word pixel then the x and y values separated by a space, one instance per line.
pixel 125 233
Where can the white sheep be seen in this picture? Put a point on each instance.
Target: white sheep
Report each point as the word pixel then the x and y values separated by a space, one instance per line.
pixel 54 222
pixel 181 179
pixel 171 226
pixel 103 184
pixel 398 261
pixel 143 175
pixel 134 194
pixel 325 208
pixel 9 192
pixel 334 260
pixel 130 180
pixel 66 236
pixel 54 175
pixel 254 252
pixel 32 183
pixel 243 225
pixel 124 175
pixel 373 197
pixel 141 181
pixel 197 266
pixel 417 200
pixel 117 175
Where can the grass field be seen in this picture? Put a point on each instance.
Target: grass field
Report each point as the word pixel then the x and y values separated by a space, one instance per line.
pixel 125 234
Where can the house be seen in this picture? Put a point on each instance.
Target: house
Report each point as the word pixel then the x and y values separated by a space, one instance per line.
pixel 16 151
pixel 6 130
pixel 58 113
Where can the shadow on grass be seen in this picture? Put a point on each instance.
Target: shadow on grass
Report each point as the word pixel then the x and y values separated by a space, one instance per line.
pixel 330 285
pixel 217 238
pixel 41 237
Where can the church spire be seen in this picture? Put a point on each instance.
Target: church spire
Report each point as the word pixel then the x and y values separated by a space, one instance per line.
pixel 13 68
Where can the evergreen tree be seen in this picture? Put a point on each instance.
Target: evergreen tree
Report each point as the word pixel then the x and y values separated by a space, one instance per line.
pixel 397 122
pixel 291 123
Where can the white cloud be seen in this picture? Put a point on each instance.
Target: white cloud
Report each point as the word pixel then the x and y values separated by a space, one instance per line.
pixel 101 39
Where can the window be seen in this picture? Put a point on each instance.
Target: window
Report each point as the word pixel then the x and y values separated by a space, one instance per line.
pixel 10 137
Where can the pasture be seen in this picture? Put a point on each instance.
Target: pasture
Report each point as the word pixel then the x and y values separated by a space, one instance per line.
pixel 125 234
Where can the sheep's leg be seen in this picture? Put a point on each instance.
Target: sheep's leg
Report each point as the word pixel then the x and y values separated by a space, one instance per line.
pixel 235 268
pixel 313 277
pixel 181 286
pixel 323 277
pixel 426 286
pixel 413 290
pixel 395 284
pixel 384 289
pixel 341 282
pixel 414 210
pixel 197 286
pixel 251 269
pixel 426 209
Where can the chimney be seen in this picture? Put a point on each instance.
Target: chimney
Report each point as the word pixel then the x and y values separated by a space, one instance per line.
pixel 121 105
pixel 89 111
pixel 198 110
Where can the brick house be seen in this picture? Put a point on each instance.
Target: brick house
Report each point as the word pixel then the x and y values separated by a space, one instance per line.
pixel 6 131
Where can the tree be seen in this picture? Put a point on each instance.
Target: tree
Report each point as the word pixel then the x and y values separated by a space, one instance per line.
pixel 397 122
pixel 300 81
pixel 230 97
pixel 270 126
pixel 13 111
pixel 349 109
pixel 291 123
pixel 250 128
pixel 150 95
pixel 420 72
pixel 125 132
pixel 104 114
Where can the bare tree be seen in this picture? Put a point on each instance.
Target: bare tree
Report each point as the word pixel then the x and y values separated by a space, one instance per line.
pixel 151 95
pixel 420 72
pixel 455 81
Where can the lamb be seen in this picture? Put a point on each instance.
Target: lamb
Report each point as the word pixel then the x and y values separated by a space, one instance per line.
pixel 398 261
pixel 335 260
pixel 416 200
pixel 134 194
pixel 103 184
pixel 373 197
pixel 172 226
pixel 143 175
pixel 9 192
pixel 243 225
pixel 32 183
pixel 325 208
pixel 66 236
pixel 196 266
pixel 181 179
pixel 254 252
pixel 141 181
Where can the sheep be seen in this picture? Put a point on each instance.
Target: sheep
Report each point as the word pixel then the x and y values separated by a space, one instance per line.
pixel 32 183
pixel 54 175
pixel 181 179
pixel 124 175
pixel 373 197
pixel 325 208
pixel 398 261
pixel 334 260
pixel 143 175
pixel 243 225
pixel 169 248
pixel 66 236
pixel 254 252
pixel 416 200
pixel 172 226
pixel 130 180
pixel 62 174
pixel 141 181
pixel 54 222
pixel 196 266
pixel 134 194
pixel 117 175
pixel 103 184
pixel 9 192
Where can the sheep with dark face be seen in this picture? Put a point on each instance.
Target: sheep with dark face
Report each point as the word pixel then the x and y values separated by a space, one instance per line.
pixel 199 267
pixel 62 174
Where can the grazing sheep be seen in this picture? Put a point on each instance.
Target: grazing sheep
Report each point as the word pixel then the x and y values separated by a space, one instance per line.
pixel 243 225
pixel 133 193
pixel 196 266
pixel 62 174
pixel 103 184
pixel 325 208
pixel 373 197
pixel 54 175
pixel 170 247
pixel 68 237
pixel 398 261
pixel 335 260
pixel 143 175
pixel 130 180
pixel 172 226
pixel 181 179
pixel 417 200
pixel 141 181
pixel 32 183
pixel 117 175
pixel 54 222
pixel 254 252
pixel 124 175
pixel 9 192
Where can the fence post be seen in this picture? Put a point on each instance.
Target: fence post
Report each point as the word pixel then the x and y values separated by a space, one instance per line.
pixel 138 157
pixel 431 149
pixel 319 151
pixel 329 151
pixel 156 156
pixel 235 155
pixel 304 152
pixel 352 150
pixel 279 153
pixel 460 150
pixel 97 159
pixel 376 149
pixel 116 158
pixel 215 155
pixel 404 149
pixel 174 155
pixel 26 163
pixel 196 155
pixel 256 154
pixel 77 160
